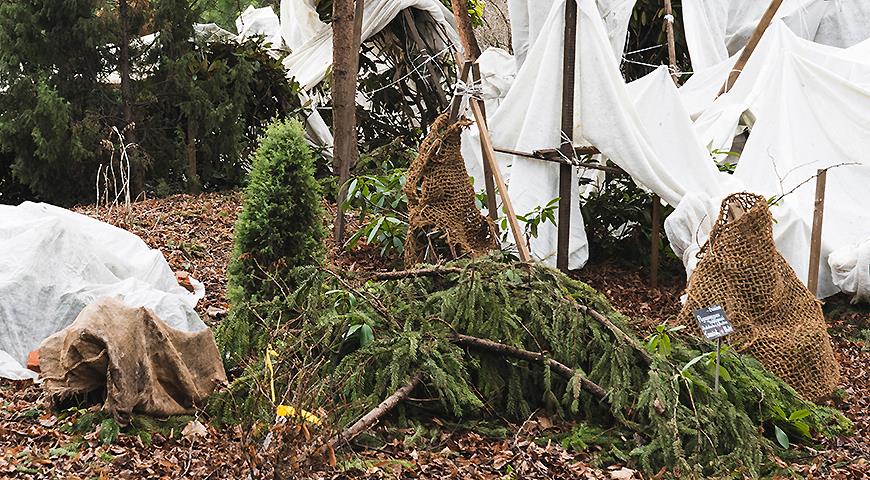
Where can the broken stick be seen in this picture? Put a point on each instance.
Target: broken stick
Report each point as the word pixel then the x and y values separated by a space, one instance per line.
pixel 375 414
pixel 560 368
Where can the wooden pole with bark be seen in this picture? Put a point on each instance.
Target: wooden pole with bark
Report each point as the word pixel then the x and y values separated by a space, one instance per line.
pixel 375 414
pixel 750 45
pixel 137 170
pixel 466 29
pixel 346 33
pixel 816 239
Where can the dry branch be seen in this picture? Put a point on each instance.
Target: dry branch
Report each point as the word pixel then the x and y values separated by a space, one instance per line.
pixel 560 368
pixel 376 413
pixel 422 272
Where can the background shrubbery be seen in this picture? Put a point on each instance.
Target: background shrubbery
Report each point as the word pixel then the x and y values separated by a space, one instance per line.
pixel 60 98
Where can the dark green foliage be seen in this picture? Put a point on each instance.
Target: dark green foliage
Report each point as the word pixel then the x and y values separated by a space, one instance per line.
pixel 618 219
pixel 219 96
pixel 280 228
pixel 679 422
pixel 54 105
pixel 646 29
pixel 57 107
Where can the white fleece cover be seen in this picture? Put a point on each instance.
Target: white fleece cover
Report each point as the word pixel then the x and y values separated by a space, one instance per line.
pixel 642 127
pixel 309 62
pixel 717 29
pixel 54 262
pixel 808 106
pixel 528 18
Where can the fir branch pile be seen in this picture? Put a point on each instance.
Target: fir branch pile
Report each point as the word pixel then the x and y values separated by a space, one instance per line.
pixel 664 401
pixel 328 342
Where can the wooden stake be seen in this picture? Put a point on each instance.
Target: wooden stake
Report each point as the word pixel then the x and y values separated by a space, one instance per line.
pixel 750 45
pixel 655 241
pixel 347 30
pixel 491 203
pixel 672 47
pixel 433 72
pixel 655 234
pixel 567 134
pixel 489 156
pixel 816 242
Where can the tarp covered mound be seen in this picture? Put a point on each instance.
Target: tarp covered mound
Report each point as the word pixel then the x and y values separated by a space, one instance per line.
pixel 144 365
pixel 54 262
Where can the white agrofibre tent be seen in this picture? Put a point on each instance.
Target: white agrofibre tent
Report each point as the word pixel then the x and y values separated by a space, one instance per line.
pixel 809 107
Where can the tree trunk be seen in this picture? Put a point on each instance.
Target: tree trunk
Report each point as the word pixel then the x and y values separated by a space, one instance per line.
pixel 346 27
pixel 466 29
pixel 137 169
pixel 193 185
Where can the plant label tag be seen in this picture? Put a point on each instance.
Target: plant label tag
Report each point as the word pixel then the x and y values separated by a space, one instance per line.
pixel 713 322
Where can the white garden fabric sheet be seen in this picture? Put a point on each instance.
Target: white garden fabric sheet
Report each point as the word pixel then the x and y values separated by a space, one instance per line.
pixel 650 136
pixel 717 29
pixel 309 62
pixel 808 107
pixel 54 262
pixel 528 18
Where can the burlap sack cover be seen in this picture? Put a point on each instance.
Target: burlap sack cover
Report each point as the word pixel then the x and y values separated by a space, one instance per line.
pixel 144 365
pixel 441 197
pixel 776 319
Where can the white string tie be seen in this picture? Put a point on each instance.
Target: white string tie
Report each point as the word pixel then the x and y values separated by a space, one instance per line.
pixel 473 89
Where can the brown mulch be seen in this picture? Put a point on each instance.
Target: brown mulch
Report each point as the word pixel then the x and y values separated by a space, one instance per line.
pixel 195 235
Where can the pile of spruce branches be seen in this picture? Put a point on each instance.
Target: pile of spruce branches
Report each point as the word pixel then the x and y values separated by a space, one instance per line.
pixel 492 338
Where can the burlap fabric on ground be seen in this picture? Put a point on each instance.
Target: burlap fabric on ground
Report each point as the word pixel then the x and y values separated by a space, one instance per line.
pixel 143 365
pixel 441 199
pixel 776 319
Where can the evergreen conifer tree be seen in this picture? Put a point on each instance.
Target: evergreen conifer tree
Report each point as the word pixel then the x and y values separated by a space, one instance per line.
pixel 53 101
pixel 280 228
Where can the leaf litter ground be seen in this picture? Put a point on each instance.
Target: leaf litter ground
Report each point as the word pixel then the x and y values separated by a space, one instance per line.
pixel 195 235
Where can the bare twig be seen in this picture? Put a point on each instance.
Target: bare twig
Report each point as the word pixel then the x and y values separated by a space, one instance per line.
pixel 422 272
pixel 810 179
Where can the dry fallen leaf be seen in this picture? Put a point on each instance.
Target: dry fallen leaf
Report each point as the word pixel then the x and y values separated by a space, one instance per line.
pixel 194 429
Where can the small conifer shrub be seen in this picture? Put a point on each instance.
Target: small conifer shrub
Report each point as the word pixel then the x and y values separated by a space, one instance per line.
pixel 280 228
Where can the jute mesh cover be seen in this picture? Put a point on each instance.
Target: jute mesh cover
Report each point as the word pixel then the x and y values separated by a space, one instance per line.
pixel 441 198
pixel 776 319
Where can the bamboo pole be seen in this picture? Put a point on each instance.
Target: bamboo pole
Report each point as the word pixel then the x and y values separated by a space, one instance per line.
pixel 489 156
pixel 816 241
pixel 750 45
pixel 567 134
pixel 672 46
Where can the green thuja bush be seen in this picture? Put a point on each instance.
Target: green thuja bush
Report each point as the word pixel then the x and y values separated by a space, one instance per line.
pixel 280 228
